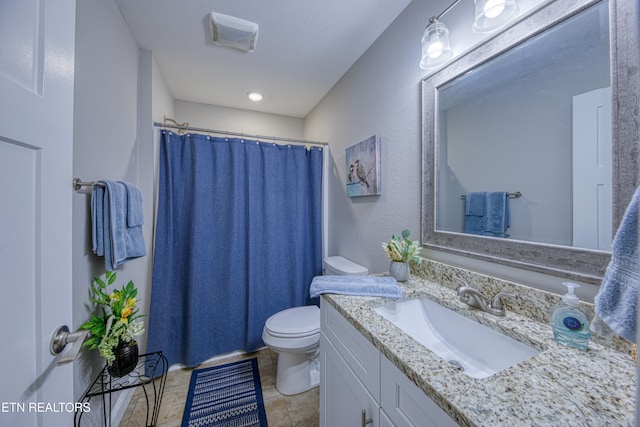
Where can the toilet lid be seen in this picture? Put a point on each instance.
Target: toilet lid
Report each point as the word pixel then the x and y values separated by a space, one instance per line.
pixel 294 322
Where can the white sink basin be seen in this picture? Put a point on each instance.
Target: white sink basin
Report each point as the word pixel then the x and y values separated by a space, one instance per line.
pixel 475 349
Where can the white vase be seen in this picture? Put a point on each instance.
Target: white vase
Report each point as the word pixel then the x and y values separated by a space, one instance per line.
pixel 399 270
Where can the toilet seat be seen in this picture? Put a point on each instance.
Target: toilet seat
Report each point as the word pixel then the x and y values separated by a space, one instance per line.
pixel 296 322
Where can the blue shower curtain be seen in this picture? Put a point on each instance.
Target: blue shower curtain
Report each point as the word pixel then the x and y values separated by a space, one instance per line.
pixel 238 238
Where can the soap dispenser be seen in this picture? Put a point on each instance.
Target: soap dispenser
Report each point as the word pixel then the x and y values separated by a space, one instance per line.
pixel 570 325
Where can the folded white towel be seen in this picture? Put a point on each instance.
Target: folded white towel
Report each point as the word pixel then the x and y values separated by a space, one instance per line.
pixel 371 286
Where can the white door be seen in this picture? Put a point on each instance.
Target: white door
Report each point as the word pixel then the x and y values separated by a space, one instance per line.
pixel 36 140
pixel 592 181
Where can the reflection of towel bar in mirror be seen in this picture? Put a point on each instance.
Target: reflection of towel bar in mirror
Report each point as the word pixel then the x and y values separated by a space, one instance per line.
pixel 510 195
pixel 78 184
pixel 550 250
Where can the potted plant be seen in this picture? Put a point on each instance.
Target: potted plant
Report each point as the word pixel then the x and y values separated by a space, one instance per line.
pixel 113 331
pixel 400 251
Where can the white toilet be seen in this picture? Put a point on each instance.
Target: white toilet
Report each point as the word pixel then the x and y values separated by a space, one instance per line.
pixel 294 334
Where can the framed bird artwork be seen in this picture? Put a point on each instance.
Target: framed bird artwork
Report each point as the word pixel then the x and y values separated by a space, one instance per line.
pixel 363 168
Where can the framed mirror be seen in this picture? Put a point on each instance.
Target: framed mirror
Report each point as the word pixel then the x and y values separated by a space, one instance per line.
pixel 544 116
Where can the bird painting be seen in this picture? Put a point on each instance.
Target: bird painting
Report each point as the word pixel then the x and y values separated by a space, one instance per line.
pixel 363 168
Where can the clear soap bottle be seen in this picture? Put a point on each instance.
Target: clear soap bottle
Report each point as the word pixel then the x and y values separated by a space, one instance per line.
pixel 570 325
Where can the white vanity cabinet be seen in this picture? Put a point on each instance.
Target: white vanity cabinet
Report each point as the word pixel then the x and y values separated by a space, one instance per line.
pixel 356 377
pixel 349 373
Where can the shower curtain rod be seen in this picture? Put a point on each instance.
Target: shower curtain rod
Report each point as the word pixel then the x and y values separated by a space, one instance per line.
pixel 242 135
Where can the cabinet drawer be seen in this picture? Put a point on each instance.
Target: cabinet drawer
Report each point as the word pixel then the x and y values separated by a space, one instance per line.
pixel 405 404
pixel 359 354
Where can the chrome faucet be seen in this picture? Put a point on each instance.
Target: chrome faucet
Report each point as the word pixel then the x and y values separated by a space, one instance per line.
pixel 474 298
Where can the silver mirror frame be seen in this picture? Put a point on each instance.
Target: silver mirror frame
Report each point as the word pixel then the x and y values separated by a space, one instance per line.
pixel 574 263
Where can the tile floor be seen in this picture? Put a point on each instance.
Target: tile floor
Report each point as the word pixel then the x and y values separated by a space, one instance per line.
pixel 282 411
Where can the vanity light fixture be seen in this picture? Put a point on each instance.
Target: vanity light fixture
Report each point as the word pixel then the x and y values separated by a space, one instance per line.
pixel 436 49
pixel 490 15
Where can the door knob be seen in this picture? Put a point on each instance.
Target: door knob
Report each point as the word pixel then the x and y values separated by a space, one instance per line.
pixel 61 337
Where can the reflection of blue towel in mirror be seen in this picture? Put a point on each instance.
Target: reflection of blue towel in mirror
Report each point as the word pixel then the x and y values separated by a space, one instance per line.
pixel 475 204
pixel 474 218
pixel 487 214
pixel 497 214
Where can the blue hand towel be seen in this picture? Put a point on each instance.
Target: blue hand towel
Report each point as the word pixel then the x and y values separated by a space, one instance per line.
pixel 487 214
pixel 497 214
pixel 355 285
pixel 127 241
pixel 475 220
pixel 616 301
pixel 97 220
pixel 134 205
pixel 475 224
pixel 114 208
pixel 475 204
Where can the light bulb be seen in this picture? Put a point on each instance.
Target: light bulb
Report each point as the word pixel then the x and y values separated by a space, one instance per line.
pixel 254 96
pixel 435 45
pixel 435 49
pixel 493 8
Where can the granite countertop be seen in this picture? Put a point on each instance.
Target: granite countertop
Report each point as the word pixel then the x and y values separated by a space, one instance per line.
pixel 560 386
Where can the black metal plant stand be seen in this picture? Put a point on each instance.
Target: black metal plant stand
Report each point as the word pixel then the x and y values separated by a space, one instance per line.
pixel 150 373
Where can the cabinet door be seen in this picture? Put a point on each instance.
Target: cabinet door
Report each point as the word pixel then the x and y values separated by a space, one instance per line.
pixel 343 397
pixel 405 404
pixel 361 356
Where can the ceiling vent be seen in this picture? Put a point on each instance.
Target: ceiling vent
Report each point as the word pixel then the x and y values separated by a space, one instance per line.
pixel 230 31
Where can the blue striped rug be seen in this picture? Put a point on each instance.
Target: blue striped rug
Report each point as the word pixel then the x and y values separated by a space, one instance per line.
pixel 226 395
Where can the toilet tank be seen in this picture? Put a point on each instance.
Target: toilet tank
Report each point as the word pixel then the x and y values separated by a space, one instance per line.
pixel 340 266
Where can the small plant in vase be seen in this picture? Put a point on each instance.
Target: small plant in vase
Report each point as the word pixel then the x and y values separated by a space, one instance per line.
pixel 401 251
pixel 113 332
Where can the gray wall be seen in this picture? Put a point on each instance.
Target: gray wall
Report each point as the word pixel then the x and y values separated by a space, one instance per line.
pixel 380 95
pixel 235 120
pixel 498 147
pixel 109 97
pixel 119 93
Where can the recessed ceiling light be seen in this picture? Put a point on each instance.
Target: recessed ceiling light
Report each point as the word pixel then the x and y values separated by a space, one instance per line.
pixel 254 96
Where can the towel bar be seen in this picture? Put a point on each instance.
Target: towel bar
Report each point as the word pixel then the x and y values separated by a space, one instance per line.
pixel 78 184
pixel 510 195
